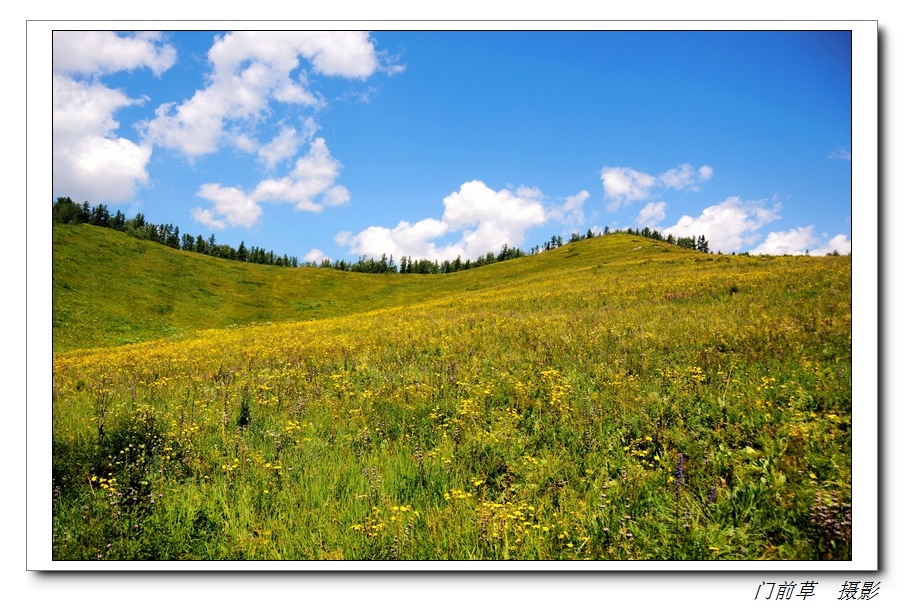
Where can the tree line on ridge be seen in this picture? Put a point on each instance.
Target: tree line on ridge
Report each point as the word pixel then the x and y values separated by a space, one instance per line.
pixel 66 211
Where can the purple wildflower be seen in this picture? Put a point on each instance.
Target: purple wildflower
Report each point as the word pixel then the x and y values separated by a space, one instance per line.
pixel 679 475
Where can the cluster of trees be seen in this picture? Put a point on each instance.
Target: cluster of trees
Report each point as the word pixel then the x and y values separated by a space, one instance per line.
pixel 67 211
pixel 410 265
pixel 694 242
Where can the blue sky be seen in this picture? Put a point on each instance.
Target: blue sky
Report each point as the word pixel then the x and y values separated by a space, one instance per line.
pixel 438 144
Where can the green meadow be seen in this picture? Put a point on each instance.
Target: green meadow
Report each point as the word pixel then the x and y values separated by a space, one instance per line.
pixel 617 398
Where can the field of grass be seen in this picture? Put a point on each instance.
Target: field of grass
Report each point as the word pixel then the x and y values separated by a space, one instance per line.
pixel 617 398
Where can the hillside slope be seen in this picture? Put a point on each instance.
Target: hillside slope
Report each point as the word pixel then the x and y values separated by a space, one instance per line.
pixel 110 289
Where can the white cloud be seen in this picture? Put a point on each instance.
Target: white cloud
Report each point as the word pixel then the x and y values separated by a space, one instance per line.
pixel 338 53
pixel 840 243
pixel 571 212
pixel 231 208
pixel 104 52
pixel 625 185
pixel 102 170
pixel 405 239
pixel 337 196
pixel 194 128
pixel 89 161
pixel 206 217
pixel 315 255
pixel 792 242
pixel 651 215
pixel 313 177
pixel 84 108
pixel 801 241
pixel 685 177
pixel 729 226
pixel 333 53
pixel 732 226
pixel 309 186
pixel 245 143
pixel 475 204
pixel 282 146
pixel 250 69
pixel 486 220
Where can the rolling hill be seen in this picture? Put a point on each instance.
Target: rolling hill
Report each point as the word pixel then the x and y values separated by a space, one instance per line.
pixel 111 289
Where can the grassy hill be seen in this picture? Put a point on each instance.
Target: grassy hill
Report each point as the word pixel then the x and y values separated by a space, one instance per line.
pixel 616 398
pixel 111 289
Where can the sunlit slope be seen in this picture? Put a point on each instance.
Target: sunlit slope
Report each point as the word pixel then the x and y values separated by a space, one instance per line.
pixel 110 289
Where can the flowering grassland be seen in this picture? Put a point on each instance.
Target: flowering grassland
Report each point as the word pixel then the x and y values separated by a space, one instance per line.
pixel 602 401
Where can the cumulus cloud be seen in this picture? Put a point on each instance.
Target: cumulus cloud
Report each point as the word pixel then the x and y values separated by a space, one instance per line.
pixel 414 240
pixel 792 242
pixel 194 128
pixel 231 207
pixel 729 226
pixel 248 70
pixel 100 169
pixel 685 177
pixel 481 218
pixel 801 240
pixel 104 52
pixel 733 226
pixel 282 146
pixel 571 212
pixel 90 161
pixel 315 255
pixel 333 53
pixel 310 186
pixel 624 185
pixel 840 244
pixel 651 214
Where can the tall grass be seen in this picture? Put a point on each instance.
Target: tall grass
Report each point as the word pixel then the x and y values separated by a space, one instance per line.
pixel 597 402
